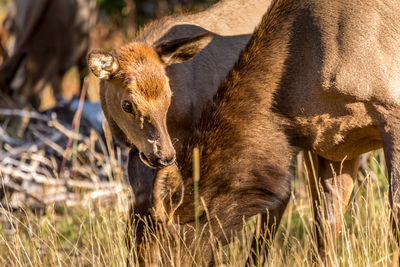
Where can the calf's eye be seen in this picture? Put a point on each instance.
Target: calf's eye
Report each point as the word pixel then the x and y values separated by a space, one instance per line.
pixel 127 107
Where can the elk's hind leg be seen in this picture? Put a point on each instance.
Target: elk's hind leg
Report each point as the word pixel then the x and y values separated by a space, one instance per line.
pixel 331 185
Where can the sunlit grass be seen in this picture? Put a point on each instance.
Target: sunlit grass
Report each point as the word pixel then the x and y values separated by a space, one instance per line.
pixel 82 236
pixel 366 238
pixel 94 234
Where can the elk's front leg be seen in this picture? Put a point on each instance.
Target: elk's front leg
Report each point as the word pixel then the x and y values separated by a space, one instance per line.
pixel 331 185
pixel 390 133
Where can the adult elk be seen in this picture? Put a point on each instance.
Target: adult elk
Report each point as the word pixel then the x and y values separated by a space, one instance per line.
pixel 51 36
pixel 319 76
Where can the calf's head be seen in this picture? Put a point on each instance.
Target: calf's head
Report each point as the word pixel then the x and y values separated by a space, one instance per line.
pixel 135 93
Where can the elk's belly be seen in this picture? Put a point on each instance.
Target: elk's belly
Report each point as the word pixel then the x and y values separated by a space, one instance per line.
pixel 336 137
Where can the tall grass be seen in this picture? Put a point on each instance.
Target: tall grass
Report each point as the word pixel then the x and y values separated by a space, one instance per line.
pixel 94 235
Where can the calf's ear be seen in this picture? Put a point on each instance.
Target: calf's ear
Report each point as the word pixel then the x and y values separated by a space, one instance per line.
pixel 180 50
pixel 102 64
pixel 168 193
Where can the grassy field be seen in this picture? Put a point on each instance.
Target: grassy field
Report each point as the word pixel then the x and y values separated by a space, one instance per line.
pixel 93 234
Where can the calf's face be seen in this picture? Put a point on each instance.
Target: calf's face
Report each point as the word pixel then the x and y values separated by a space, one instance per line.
pixel 135 93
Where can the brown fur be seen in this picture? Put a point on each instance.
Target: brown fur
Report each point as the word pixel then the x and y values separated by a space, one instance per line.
pixel 307 80
pixel 141 70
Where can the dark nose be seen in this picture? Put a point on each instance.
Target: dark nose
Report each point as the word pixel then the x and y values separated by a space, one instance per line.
pixel 166 162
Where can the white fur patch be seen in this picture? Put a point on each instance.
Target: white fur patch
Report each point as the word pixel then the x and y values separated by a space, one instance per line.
pixel 102 64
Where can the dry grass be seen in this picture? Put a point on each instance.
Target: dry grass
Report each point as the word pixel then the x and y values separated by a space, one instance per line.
pixel 93 234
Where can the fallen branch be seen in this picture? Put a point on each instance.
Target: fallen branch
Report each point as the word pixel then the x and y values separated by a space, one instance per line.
pixel 10 184
pixel 31 169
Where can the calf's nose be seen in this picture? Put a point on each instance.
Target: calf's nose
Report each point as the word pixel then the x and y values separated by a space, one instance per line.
pixel 164 162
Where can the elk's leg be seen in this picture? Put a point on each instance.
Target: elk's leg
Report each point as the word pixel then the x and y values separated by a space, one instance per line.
pixel 141 180
pixel 390 133
pixel 134 234
pixel 331 185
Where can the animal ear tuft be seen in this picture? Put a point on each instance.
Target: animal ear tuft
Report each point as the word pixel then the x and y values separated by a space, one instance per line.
pixel 168 193
pixel 102 64
pixel 180 50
